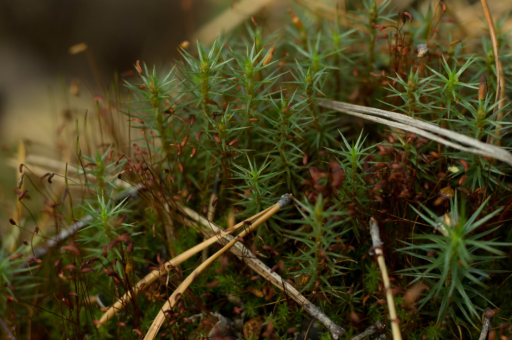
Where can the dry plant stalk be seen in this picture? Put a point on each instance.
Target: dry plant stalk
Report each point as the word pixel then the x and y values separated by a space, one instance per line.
pixel 421 128
pixel 487 326
pixel 500 81
pixel 377 247
pixel 7 331
pixel 71 230
pixel 379 325
pixel 12 238
pixel 155 274
pixel 39 165
pixel 160 318
pixel 211 209
pixel 240 251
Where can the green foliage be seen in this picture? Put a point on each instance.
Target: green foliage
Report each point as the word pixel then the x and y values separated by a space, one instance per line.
pixel 458 260
pixel 231 127
pixel 320 233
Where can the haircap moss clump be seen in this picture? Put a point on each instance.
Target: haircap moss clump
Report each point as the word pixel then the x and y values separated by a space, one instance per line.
pixel 177 157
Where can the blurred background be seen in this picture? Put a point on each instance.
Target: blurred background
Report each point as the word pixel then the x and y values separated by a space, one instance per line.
pixel 37 68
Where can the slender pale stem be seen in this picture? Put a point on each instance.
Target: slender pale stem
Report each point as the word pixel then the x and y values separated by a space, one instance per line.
pixel 500 81
pixel 377 243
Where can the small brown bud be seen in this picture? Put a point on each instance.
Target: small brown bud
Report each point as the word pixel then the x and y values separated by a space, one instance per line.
pixel 268 58
pixel 481 89
pixel 296 21
pixel 185 44
pixel 137 66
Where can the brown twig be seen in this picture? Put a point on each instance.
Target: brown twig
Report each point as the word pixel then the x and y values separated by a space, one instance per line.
pixel 377 247
pixel 432 21
pixel 240 251
pixel 7 331
pixel 500 81
pixel 173 299
pixel 74 228
pixel 486 328
pixel 377 327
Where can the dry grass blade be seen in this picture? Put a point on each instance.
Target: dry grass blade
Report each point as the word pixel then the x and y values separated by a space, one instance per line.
pixel 264 271
pixel 40 165
pixel 500 81
pixel 160 318
pixel 377 244
pixel 155 274
pixel 421 128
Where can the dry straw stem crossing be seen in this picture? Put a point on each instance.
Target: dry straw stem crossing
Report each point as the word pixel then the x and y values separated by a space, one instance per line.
pixel 240 251
pixel 155 274
pixel 377 244
pixel 421 128
pixel 160 318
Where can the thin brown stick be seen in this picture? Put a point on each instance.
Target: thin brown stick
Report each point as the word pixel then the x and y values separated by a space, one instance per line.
pixel 377 327
pixel 486 328
pixel 155 274
pixel 500 81
pixel 43 249
pixel 160 318
pixel 7 331
pixel 432 21
pixel 240 251
pixel 421 128
pixel 377 244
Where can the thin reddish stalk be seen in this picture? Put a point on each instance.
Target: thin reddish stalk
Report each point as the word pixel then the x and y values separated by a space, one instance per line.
pixel 500 82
